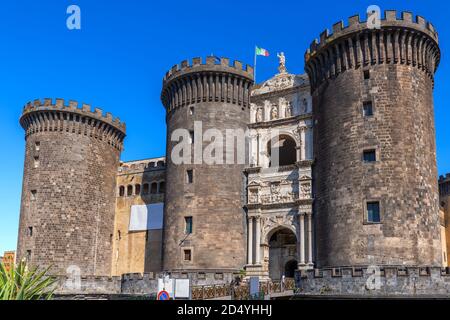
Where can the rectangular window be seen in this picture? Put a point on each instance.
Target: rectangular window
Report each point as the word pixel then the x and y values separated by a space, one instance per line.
pixel 33 194
pixel 187 255
pixel 37 146
pixel 36 162
pixel 190 176
pixel 28 258
pixel 373 212
pixel 367 109
pixel 370 155
pixel 188 225
pixel 366 74
pixel 191 137
pixel 30 231
pixel 191 111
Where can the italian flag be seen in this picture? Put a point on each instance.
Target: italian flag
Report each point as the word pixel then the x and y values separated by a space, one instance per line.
pixel 261 52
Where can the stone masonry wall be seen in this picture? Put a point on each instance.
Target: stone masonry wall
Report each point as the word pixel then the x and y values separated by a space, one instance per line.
pixel 137 251
pixel 399 67
pixel 216 95
pixel 67 209
pixel 392 281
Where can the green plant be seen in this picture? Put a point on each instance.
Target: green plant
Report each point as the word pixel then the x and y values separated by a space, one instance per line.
pixel 23 283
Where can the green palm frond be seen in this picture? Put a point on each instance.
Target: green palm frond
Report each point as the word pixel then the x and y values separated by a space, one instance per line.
pixel 23 283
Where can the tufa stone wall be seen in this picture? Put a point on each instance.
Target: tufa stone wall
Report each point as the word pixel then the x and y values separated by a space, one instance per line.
pixel 444 200
pixel 391 68
pixel 218 96
pixel 137 251
pixel 67 208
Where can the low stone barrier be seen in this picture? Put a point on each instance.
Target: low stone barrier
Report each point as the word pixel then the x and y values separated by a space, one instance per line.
pixel 377 282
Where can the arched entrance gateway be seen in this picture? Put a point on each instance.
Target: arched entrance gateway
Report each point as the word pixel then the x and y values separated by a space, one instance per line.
pixel 282 253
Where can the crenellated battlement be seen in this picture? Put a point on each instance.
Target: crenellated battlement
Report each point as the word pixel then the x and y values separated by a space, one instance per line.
pixel 45 116
pixel 355 24
pixel 399 40
pixel 73 106
pixel 216 80
pixel 211 64
pixel 443 179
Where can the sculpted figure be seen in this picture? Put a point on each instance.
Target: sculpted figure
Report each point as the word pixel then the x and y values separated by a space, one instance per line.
pixel 282 62
pixel 289 110
pixel 259 117
pixel 274 112
pixel 305 106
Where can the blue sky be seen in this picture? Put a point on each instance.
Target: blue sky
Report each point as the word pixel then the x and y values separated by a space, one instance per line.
pixel 117 60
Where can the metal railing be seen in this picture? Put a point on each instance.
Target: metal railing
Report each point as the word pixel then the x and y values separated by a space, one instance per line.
pixel 241 292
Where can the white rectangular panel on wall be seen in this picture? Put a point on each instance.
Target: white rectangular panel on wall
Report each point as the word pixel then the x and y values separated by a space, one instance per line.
pixel 146 217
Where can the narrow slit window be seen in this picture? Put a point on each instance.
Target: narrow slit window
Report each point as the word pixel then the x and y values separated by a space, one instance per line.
pixel 373 212
pixel 190 176
pixel 36 162
pixel 188 225
pixel 367 109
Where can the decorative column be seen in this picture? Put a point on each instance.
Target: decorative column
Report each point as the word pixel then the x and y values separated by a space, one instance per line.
pixel 258 241
pixel 267 110
pixel 310 255
pixel 301 240
pixel 250 241
pixel 299 152
pixel 309 151
pixel 258 150
pixel 254 150
pixel 303 140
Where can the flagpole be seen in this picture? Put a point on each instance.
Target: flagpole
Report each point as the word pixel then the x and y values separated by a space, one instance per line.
pixel 254 67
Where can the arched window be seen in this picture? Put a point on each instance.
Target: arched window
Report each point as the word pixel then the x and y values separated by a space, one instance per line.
pixel 145 189
pixel 129 191
pixel 154 188
pixel 162 187
pixel 137 189
pixel 285 148
pixel 121 191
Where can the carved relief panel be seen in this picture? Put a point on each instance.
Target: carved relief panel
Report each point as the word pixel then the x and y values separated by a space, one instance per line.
pixel 272 192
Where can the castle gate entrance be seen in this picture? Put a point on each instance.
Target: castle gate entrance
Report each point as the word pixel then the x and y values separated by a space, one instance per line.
pixel 282 254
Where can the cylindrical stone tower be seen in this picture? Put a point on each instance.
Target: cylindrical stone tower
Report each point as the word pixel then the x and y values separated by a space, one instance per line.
pixel 204 220
pixel 68 196
pixel 376 188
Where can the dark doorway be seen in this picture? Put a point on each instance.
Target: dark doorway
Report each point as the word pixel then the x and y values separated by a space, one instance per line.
pixel 289 268
pixel 282 248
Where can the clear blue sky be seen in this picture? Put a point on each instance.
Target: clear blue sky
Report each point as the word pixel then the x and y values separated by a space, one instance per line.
pixel 124 48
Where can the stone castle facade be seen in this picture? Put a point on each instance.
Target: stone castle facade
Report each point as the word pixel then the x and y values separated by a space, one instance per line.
pixel 355 183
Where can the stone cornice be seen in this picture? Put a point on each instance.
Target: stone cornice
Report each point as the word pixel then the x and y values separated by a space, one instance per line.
pixel 278 122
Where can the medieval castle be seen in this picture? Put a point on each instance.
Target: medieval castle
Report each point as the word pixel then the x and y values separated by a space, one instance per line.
pixel 355 183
